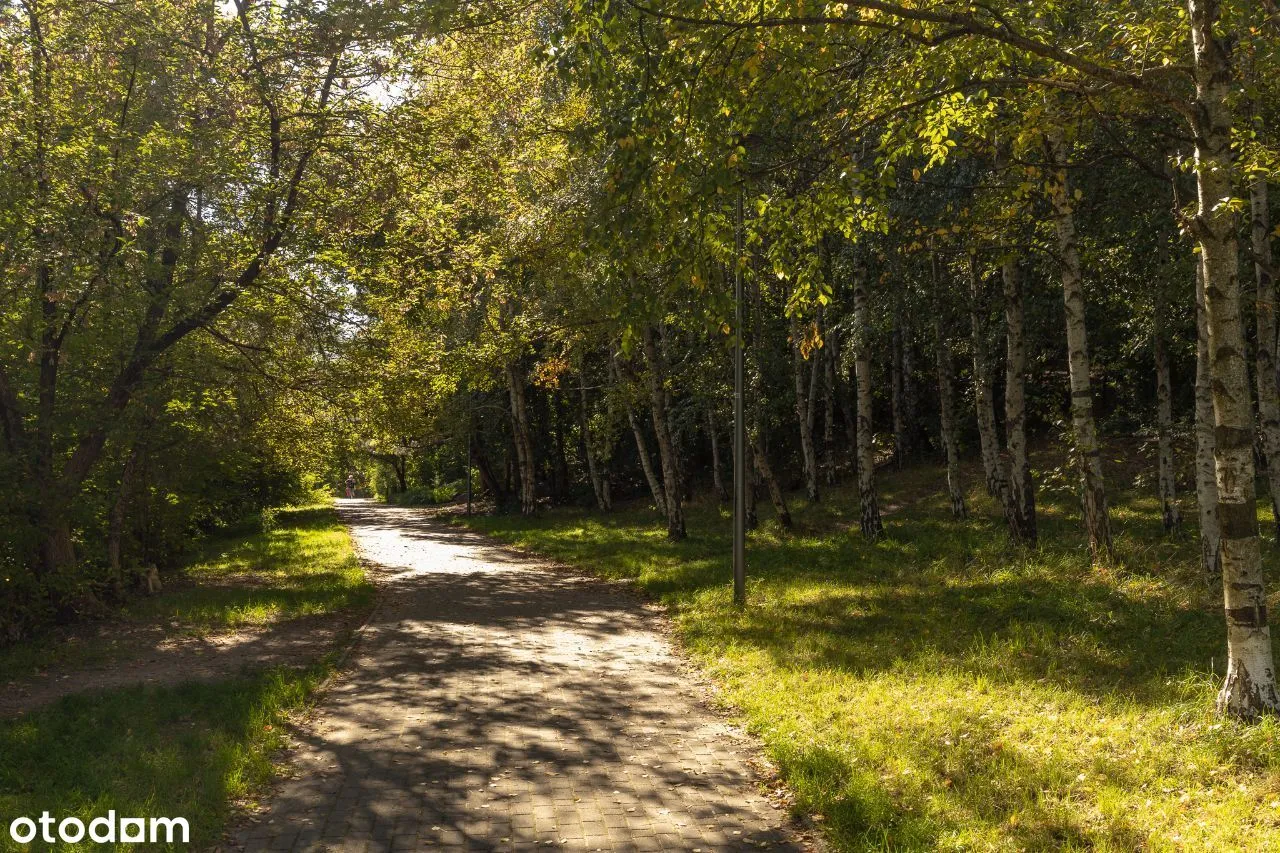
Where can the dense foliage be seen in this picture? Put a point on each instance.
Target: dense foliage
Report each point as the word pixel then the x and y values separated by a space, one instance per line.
pixel 255 246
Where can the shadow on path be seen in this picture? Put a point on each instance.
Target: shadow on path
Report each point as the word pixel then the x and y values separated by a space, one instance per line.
pixel 495 705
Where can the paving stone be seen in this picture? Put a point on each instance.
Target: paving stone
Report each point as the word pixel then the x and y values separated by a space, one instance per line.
pixel 496 704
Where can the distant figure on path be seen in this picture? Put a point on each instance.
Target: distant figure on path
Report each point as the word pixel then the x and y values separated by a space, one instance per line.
pixel 351 485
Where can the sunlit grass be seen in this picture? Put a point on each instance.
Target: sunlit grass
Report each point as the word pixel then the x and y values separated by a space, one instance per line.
pixel 189 751
pixel 942 690
pixel 304 564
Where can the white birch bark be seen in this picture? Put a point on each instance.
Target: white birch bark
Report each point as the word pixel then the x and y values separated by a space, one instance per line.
pixel 1206 477
pixel 1265 371
pixel 1021 507
pixel 1250 685
pixel 1094 498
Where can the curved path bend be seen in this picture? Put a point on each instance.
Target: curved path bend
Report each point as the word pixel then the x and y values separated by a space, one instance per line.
pixel 494 704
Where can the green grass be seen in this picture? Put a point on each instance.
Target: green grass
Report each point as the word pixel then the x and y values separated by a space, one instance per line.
pixel 303 565
pixel 195 749
pixel 188 751
pixel 940 690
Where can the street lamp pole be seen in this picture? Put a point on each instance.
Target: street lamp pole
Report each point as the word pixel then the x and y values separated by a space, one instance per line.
pixel 470 431
pixel 739 425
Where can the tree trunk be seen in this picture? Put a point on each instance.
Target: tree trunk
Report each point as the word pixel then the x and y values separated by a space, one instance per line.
pixel 642 447
pixel 598 485
pixel 1089 455
pixel 674 427
pixel 717 475
pixel 844 399
pixel 1021 508
pixel 57 548
pixel 947 402
pixel 399 465
pixel 1164 436
pixel 907 366
pixel 984 395
pixel 520 433
pixel 1206 477
pixel 804 415
pixel 1268 390
pixel 661 427
pixel 896 396
pixel 1250 685
pixel 555 406
pixel 761 460
pixel 488 480
pixel 119 514
pixel 870 521
pixel 829 415
pixel 646 462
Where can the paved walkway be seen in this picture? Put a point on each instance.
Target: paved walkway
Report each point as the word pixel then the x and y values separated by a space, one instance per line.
pixel 495 705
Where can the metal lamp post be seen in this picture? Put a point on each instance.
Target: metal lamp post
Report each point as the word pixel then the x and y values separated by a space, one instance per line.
pixel 739 425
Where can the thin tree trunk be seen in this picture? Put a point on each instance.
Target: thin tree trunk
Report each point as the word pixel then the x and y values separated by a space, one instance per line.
pixel 673 425
pixel 488 480
pixel 646 462
pixel 844 399
pixel 1250 685
pixel 119 513
pixel 555 405
pixel 907 366
pixel 804 416
pixel 1206 477
pixel 717 475
pixel 896 401
pixel 1268 390
pixel 642 447
pixel 1021 512
pixel 984 396
pixel 947 402
pixel 753 486
pixel 1164 436
pixel 760 458
pixel 524 447
pixel 1089 455
pixel 598 485
pixel 829 415
pixel 661 427
pixel 870 521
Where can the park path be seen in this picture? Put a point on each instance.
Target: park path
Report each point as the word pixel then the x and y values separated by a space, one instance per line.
pixel 493 703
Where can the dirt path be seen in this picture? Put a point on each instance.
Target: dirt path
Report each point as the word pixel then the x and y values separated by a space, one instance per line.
pixel 492 704
pixel 151 654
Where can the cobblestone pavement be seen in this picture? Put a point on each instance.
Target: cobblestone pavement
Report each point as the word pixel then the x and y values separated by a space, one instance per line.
pixel 495 705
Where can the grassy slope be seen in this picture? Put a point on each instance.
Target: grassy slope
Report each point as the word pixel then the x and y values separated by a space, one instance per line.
pixel 941 691
pixel 304 565
pixel 188 751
